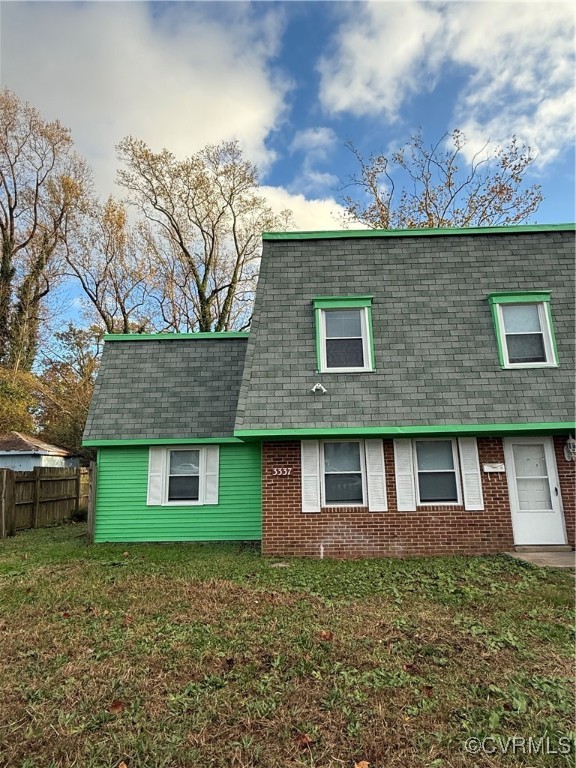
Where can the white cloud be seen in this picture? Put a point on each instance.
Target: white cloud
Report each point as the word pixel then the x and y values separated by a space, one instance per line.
pixel 316 145
pixel 518 58
pixel 522 59
pixel 178 75
pixel 383 53
pixel 318 140
pixel 318 214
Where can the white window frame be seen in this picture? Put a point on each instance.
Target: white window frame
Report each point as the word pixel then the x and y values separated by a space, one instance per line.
pixel 452 442
pixel 361 449
pixel 366 346
pixel 201 475
pixel 545 330
pixel 159 468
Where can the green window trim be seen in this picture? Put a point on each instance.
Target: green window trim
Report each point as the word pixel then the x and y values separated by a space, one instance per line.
pixel 524 297
pixel 321 303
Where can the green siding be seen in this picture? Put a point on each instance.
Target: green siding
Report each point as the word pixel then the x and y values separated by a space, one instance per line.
pixel 122 513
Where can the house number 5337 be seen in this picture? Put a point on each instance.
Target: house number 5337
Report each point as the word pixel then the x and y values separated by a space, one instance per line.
pixel 282 471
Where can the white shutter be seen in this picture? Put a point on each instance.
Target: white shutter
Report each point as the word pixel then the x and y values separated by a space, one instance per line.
pixel 212 462
pixel 404 471
pixel 310 456
pixel 375 476
pixel 470 469
pixel 156 462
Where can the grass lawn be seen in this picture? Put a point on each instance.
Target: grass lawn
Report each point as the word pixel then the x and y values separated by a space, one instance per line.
pixel 197 656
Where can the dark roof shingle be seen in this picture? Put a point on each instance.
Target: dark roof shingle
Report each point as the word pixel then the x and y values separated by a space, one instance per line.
pixel 166 388
pixel 436 354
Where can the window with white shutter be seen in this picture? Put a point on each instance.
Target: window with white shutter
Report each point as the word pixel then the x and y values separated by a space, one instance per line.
pixel 183 475
pixel 343 473
pixel 404 472
pixel 436 472
pixel 375 476
pixel 471 477
pixel 310 471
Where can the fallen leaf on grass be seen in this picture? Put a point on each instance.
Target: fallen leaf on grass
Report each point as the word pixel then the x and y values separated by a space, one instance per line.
pixel 326 635
pixel 362 764
pixel 116 707
pixel 122 765
pixel 303 740
pixel 66 615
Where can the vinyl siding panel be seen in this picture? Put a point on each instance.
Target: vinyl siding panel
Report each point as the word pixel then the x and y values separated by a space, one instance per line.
pixel 122 513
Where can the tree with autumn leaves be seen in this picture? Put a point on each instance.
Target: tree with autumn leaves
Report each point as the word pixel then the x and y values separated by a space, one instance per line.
pixel 446 184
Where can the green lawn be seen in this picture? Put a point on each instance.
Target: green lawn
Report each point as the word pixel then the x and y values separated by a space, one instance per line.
pixel 201 655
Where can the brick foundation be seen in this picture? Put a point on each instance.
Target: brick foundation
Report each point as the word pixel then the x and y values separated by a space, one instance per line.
pixel 355 532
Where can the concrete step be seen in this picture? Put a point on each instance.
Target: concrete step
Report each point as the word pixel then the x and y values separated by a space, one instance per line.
pixel 544 548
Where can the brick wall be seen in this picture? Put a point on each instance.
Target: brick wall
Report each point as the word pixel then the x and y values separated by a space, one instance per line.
pixel 567 478
pixel 356 532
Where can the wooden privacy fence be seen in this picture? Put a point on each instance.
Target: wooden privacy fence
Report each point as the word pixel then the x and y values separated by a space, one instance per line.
pixel 42 497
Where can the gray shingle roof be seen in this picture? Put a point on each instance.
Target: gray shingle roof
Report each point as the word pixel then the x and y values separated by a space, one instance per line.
pixel 435 348
pixel 166 388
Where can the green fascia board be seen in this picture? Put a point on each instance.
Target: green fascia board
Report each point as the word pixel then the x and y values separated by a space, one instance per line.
pixel 519 297
pixel 175 336
pixel 412 431
pixel 420 232
pixel 163 441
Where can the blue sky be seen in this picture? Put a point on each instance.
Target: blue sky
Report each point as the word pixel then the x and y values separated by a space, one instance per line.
pixel 292 81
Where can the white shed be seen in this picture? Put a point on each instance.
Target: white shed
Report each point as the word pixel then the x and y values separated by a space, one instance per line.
pixel 23 452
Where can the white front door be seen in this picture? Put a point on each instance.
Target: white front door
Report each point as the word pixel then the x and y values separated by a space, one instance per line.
pixel 535 501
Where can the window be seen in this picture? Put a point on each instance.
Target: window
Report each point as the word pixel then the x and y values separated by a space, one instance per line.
pixel 185 475
pixel 433 471
pixel 524 329
pixel 344 333
pixel 343 474
pixel 436 469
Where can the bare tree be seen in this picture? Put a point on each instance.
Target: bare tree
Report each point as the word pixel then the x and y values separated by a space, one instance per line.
pixel 114 271
pixel 208 218
pixel 42 187
pixel 420 186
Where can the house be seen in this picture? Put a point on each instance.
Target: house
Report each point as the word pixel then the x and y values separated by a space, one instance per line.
pixel 399 393
pixel 22 453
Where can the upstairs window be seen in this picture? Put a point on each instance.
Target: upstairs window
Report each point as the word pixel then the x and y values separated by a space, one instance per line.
pixel 524 332
pixel 344 334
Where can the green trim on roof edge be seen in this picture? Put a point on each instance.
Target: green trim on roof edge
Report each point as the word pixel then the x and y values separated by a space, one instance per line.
pixel 163 441
pixel 175 336
pixel 411 431
pixel 341 233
